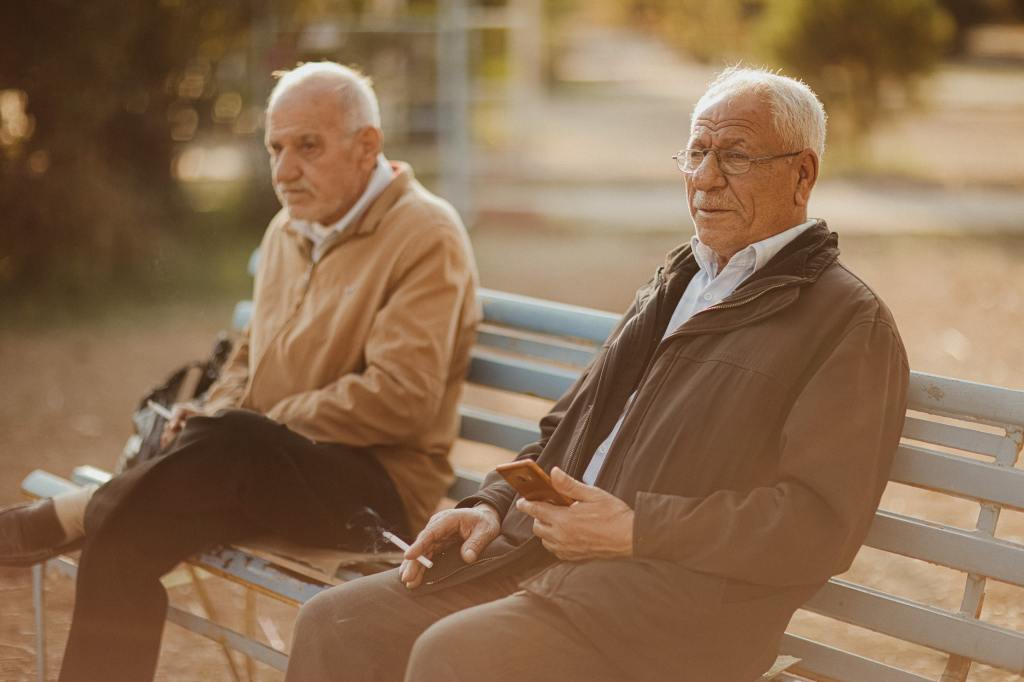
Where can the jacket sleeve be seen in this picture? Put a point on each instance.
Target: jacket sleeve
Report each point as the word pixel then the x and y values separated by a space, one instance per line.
pixel 494 490
pixel 228 389
pixel 408 353
pixel 837 444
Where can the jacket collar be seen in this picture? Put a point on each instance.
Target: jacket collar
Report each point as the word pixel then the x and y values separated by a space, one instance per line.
pixel 372 216
pixel 801 262
pixel 804 259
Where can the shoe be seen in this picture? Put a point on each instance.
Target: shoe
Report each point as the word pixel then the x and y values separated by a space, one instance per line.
pixel 31 533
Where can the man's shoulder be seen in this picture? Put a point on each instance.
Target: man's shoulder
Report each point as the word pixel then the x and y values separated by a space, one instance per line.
pixel 842 289
pixel 420 221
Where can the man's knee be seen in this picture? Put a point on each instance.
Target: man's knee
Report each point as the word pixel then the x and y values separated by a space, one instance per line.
pixel 343 617
pixel 453 648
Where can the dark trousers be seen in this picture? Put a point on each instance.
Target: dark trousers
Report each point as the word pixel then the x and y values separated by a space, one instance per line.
pixel 374 629
pixel 227 477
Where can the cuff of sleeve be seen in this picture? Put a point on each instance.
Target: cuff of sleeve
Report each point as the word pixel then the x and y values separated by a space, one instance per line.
pixel 656 530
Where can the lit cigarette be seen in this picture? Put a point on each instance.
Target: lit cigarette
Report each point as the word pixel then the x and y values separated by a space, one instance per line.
pixel 398 542
pixel 159 409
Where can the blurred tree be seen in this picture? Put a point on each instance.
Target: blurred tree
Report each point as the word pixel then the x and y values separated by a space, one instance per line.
pixel 105 88
pixel 969 13
pixel 856 54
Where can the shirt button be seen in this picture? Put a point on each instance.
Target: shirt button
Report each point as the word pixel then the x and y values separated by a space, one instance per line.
pixel 707 297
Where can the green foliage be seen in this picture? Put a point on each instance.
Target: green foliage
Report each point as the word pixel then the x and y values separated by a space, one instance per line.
pixel 86 192
pixel 709 31
pixel 858 55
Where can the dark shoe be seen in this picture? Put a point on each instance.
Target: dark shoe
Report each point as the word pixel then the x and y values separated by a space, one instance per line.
pixel 30 533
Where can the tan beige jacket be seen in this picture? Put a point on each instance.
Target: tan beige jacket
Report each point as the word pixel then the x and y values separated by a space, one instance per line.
pixel 369 346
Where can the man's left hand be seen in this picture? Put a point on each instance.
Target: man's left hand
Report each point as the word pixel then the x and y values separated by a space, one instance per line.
pixel 597 524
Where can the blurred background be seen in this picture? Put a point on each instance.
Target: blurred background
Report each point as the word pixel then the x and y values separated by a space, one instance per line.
pixel 134 185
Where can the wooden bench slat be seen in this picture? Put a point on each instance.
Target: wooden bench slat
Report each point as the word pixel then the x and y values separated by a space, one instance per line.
pixel 520 376
pixel 506 432
pixel 552 349
pixel 962 550
pixel 957 437
pixel 919 623
pixel 971 479
pixel 547 317
pixel 966 400
pixel 822 660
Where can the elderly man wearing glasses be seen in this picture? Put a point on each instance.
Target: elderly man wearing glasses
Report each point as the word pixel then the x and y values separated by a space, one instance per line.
pixel 725 453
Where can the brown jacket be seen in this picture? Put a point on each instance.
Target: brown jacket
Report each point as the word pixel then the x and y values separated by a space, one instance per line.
pixel 754 456
pixel 369 346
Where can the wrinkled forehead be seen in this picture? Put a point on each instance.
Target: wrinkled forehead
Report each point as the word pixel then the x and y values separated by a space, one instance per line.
pixel 745 117
pixel 305 109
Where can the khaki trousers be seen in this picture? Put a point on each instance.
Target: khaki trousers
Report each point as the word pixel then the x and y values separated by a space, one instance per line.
pixel 375 629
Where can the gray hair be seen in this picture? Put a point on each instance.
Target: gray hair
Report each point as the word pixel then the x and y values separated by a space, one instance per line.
pixel 797 113
pixel 357 100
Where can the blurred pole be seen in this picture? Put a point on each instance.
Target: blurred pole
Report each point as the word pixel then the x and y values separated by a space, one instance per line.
pixel 526 55
pixel 262 38
pixel 453 106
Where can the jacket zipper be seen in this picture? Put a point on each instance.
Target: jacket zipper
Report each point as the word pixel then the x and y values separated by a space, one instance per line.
pixel 570 467
pixel 574 454
pixel 307 278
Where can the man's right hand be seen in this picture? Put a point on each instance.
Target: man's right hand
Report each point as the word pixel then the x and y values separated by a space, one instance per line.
pixel 476 526
pixel 179 413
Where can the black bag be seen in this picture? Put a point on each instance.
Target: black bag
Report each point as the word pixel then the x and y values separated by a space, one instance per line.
pixel 186 383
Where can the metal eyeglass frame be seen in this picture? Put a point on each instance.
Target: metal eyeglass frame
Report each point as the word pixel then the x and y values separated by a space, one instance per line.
pixel 679 157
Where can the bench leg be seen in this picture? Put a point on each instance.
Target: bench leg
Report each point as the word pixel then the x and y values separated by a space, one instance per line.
pixel 38 601
pixel 207 604
pixel 250 631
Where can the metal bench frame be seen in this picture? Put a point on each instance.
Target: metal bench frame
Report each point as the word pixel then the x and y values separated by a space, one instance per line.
pixel 961 439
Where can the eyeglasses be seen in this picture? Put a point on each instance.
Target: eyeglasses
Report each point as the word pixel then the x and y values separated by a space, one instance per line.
pixel 729 162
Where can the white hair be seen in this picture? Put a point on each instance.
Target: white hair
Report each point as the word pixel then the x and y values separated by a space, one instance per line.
pixel 797 114
pixel 356 98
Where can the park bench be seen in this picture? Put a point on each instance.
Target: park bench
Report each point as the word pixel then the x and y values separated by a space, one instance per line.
pixel 961 439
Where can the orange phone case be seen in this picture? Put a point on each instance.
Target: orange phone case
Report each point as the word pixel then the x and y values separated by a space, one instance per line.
pixel 532 482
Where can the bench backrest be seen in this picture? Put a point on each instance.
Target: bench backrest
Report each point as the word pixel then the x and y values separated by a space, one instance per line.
pixel 960 440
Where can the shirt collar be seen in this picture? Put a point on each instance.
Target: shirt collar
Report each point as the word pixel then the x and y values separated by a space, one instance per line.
pixel 750 259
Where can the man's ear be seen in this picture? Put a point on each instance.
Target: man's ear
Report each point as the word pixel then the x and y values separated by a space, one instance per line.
pixel 807 175
pixel 369 142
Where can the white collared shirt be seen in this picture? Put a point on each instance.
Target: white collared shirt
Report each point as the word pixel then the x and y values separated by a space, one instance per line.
pixel 322 235
pixel 707 287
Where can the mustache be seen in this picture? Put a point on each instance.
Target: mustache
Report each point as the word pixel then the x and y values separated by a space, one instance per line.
pixel 711 202
pixel 292 187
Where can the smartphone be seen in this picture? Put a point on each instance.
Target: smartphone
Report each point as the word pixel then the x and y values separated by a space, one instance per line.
pixel 532 482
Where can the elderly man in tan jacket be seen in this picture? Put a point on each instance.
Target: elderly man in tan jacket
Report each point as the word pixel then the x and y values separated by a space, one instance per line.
pixel 342 394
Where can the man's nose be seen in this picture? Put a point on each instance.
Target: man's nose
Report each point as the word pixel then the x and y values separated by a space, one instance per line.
pixel 286 167
pixel 708 175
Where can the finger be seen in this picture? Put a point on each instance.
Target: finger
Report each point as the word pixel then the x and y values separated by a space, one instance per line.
pixel 413 575
pixel 577 490
pixel 551 547
pixel 478 539
pixel 539 510
pixel 439 528
pixel 543 530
